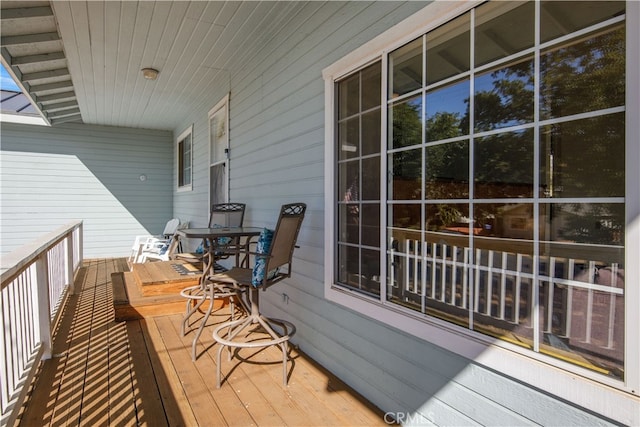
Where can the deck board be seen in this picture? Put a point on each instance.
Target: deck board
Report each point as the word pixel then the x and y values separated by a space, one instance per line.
pixel 140 372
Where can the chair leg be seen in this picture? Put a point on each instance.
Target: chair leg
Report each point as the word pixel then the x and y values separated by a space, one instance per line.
pixel 188 312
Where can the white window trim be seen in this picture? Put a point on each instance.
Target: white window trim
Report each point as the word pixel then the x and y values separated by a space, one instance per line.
pixel 574 384
pixel 183 135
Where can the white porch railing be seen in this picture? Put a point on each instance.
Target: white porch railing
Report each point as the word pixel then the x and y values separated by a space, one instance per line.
pixel 36 279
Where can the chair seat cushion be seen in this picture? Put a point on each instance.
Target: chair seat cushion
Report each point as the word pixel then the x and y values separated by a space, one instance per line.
pixel 262 248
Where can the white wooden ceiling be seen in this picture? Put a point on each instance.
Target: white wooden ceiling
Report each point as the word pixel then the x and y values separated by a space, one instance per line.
pixel 195 46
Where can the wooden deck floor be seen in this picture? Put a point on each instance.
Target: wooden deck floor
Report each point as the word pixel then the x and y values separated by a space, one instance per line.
pixel 140 373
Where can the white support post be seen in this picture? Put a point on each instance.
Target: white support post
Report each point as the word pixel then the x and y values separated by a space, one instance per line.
pixel 69 263
pixel 44 305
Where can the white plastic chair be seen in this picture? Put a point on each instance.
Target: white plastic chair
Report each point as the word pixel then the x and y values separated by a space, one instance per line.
pixel 147 241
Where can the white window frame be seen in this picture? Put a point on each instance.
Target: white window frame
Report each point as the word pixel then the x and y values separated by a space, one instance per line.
pixel 188 187
pixel 578 385
pixel 223 104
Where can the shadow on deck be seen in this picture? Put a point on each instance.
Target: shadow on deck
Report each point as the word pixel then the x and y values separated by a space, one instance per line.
pixel 140 372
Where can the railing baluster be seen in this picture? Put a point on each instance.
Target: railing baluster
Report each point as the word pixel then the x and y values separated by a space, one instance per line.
pixel 517 291
pixel 569 309
pixel 434 253
pixel 34 282
pixel 454 275
pixel 465 277
pixel 443 278
pixel 612 304
pixel 503 285
pixel 550 292
pixel 489 292
pixel 476 291
pixel 589 318
pixel 416 265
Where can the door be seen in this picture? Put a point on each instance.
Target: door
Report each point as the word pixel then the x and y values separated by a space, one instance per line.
pixel 219 152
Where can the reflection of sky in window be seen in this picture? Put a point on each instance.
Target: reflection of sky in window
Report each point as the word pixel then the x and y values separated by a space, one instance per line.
pixel 6 82
pixel 450 99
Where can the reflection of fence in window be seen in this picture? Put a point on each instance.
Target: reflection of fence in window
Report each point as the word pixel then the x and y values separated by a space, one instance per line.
pixel 581 301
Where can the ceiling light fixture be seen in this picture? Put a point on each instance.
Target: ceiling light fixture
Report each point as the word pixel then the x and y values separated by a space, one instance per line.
pixel 150 73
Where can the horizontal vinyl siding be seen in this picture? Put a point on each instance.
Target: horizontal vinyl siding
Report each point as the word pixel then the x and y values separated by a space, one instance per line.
pixel 51 175
pixel 277 156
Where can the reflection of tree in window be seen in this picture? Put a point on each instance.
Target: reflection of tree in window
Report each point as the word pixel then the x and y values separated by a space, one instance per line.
pixel 407 129
pixel 503 97
pixel 595 66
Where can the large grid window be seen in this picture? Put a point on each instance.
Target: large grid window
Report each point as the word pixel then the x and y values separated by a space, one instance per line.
pixel 499 196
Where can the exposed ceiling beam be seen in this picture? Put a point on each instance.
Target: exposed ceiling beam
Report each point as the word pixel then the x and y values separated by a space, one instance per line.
pixel 40 75
pixel 56 97
pixel 32 59
pixel 62 106
pixel 29 39
pixel 63 113
pixel 66 119
pixel 26 12
pixel 51 86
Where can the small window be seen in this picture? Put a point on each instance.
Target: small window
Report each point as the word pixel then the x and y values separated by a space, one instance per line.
pixel 185 160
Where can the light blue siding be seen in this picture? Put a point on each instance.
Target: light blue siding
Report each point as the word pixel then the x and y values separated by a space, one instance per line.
pixel 51 175
pixel 277 156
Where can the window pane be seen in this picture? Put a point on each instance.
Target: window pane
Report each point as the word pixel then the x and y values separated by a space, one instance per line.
pixel 349 181
pixel 349 221
pixel 370 271
pixel 504 96
pixel 349 97
pixel 406 175
pixel 447 112
pixel 371 224
pixel 503 28
pixel 595 66
pixel 582 226
pixel 371 178
pixel 348 266
pixel 371 87
pixel 506 221
pixel 504 165
pixel 448 49
pixel 371 132
pixel 349 138
pixel 406 119
pixel 447 171
pixel 558 18
pixel 583 158
pixel 405 69
pixel 184 159
pixel 404 215
pixel 582 270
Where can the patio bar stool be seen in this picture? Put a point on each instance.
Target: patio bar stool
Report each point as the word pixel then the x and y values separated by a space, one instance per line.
pixel 273 259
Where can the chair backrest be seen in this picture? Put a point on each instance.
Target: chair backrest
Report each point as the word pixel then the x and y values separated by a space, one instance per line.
pixel 227 214
pixel 284 239
pixel 171 227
